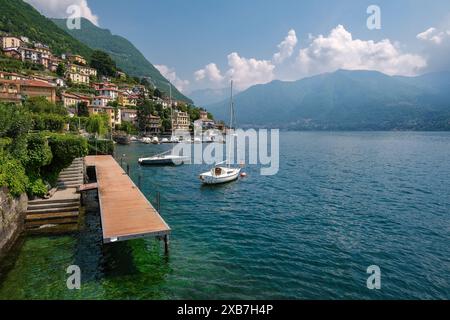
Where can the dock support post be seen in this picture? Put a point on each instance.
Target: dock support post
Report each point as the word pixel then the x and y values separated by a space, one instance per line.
pixel 158 202
pixel 140 181
pixel 128 169
pixel 166 244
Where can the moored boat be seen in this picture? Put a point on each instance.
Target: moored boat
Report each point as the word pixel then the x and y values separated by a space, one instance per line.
pixel 163 159
pixel 220 174
pixel 223 173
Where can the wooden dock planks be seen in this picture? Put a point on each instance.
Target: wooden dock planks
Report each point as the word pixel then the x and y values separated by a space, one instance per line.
pixel 125 212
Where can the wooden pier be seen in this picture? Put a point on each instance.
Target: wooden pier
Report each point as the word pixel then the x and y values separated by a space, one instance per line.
pixel 125 212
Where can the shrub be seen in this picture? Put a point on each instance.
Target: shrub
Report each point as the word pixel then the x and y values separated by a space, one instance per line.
pixel 49 122
pixel 77 123
pixel 41 105
pixel 12 175
pixel 128 127
pixel 14 121
pixel 65 148
pixel 36 187
pixel 5 143
pixel 98 124
pixel 39 152
pixel 101 147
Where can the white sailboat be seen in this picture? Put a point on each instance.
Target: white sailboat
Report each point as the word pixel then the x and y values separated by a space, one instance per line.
pixel 223 172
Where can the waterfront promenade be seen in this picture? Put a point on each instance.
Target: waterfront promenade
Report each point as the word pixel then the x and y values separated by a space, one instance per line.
pixel 125 212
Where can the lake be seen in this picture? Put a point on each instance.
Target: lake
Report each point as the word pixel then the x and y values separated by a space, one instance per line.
pixel 341 202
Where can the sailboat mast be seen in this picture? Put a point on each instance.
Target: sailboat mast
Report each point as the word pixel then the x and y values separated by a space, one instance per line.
pixel 231 106
pixel 231 124
pixel 171 108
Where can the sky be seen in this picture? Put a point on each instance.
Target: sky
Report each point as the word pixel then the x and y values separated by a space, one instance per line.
pixel 200 44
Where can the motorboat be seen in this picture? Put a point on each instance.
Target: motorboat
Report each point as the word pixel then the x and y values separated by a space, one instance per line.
pixel 164 159
pixel 155 140
pixel 146 140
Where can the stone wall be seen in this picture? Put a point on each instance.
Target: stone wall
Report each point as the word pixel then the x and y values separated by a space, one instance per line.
pixel 12 219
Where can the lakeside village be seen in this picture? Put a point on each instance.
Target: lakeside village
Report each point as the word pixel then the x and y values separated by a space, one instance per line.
pixel 130 106
pixel 56 111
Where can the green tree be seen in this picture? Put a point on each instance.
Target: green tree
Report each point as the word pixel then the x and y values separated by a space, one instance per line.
pixel 157 93
pixel 98 124
pixel 61 70
pixel 82 109
pixel 144 111
pixel 103 63
pixel 41 105
pixel 128 127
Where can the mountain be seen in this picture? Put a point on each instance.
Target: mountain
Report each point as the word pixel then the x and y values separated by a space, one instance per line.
pixel 346 100
pixel 205 97
pixel 21 19
pixel 124 53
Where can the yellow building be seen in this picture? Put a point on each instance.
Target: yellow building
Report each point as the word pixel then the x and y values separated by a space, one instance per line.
pixel 180 121
pixel 78 78
pixel 72 99
pixel 77 58
pixel 87 71
pixel 126 99
pixel 10 42
pixel 114 119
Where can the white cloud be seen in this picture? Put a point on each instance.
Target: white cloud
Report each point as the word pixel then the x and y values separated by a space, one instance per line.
pixel 286 47
pixel 210 72
pixel 171 75
pixel 244 72
pixel 58 8
pixel 434 35
pixel 339 50
pixel 248 72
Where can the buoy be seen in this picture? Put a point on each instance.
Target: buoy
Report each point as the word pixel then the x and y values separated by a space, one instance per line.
pixel 243 174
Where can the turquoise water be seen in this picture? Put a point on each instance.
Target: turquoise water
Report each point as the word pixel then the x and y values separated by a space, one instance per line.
pixel 340 203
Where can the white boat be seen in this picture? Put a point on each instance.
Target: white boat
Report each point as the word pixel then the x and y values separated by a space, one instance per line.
pixel 163 159
pixel 155 140
pixel 222 172
pixel 197 140
pixel 164 140
pixel 146 140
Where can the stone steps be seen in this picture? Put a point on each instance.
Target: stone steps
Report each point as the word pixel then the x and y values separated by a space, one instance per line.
pixel 55 218
pixel 53 201
pixel 76 179
pixel 65 185
pixel 61 212
pixel 41 206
